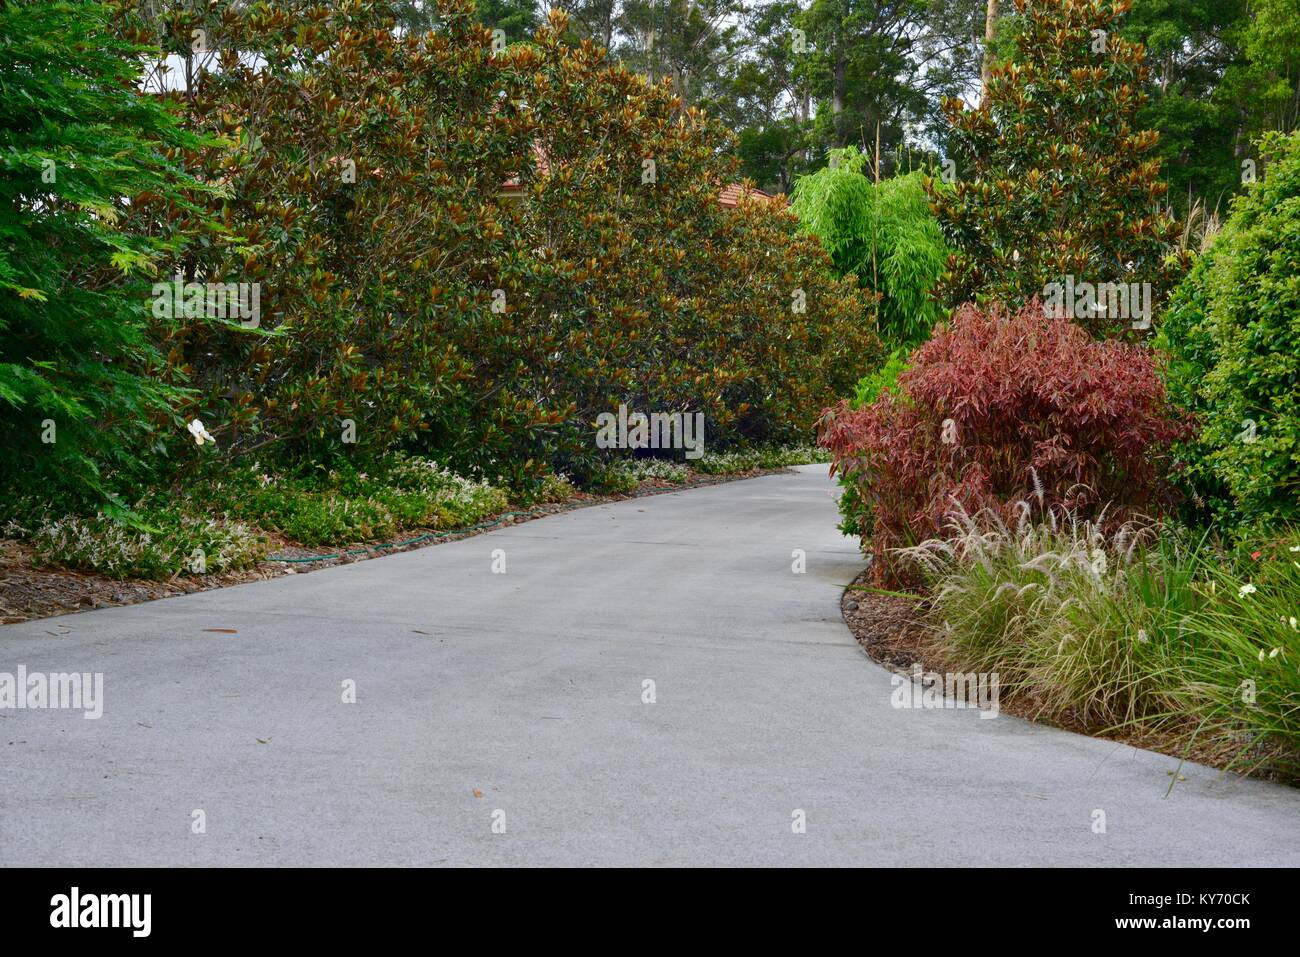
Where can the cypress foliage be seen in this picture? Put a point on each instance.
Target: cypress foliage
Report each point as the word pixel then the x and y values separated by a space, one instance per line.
pixel 80 400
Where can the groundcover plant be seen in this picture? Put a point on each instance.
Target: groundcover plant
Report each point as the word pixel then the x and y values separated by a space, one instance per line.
pixel 642 433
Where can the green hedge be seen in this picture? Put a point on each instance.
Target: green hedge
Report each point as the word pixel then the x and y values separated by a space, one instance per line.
pixel 1232 335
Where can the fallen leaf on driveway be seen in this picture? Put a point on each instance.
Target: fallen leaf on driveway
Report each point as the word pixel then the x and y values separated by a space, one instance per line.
pixel 223 631
pixel 478 793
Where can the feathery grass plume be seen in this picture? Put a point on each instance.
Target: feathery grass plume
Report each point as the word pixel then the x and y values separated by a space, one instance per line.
pixel 1038 485
pixel 1170 641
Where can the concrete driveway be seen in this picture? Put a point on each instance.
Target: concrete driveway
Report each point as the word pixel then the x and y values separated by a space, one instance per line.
pixel 505 719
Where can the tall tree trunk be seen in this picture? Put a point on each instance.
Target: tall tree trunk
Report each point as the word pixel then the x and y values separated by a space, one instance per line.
pixel 990 31
pixel 837 99
pixel 805 109
pixel 1241 140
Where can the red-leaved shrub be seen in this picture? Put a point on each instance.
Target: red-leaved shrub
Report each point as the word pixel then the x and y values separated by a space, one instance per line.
pixel 998 408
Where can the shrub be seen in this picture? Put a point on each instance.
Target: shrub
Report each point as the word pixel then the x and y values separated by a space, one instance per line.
pixel 419 493
pixel 179 544
pixel 1232 332
pixel 315 518
pixel 754 459
pixel 1058 179
pixel 727 463
pixel 345 504
pixel 624 476
pixel 659 469
pixel 885 379
pixel 613 478
pixel 551 489
pixel 555 488
pixel 1243 642
pixel 883 234
pixel 998 406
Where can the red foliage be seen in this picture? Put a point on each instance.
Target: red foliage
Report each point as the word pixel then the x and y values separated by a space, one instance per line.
pixel 1039 411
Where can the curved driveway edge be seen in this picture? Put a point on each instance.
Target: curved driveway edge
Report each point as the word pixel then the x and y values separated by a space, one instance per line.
pixel 505 719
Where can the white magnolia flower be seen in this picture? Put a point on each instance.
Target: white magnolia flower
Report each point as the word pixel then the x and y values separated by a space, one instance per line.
pixel 200 433
pixel 1245 590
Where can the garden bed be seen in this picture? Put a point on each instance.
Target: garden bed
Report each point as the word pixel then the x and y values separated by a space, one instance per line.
pixel 891 630
pixel 28 593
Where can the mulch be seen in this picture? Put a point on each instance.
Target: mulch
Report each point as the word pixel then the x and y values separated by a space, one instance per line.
pixel 888 627
pixel 27 593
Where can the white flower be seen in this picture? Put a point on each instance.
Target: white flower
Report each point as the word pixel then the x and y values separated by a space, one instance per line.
pixel 1294 627
pixel 1295 548
pixel 200 433
pixel 1275 652
pixel 1244 590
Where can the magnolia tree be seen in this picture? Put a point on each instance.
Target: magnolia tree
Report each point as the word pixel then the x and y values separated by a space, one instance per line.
pixel 359 170
pixel 1057 190
pixel 408 299
pixel 647 289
